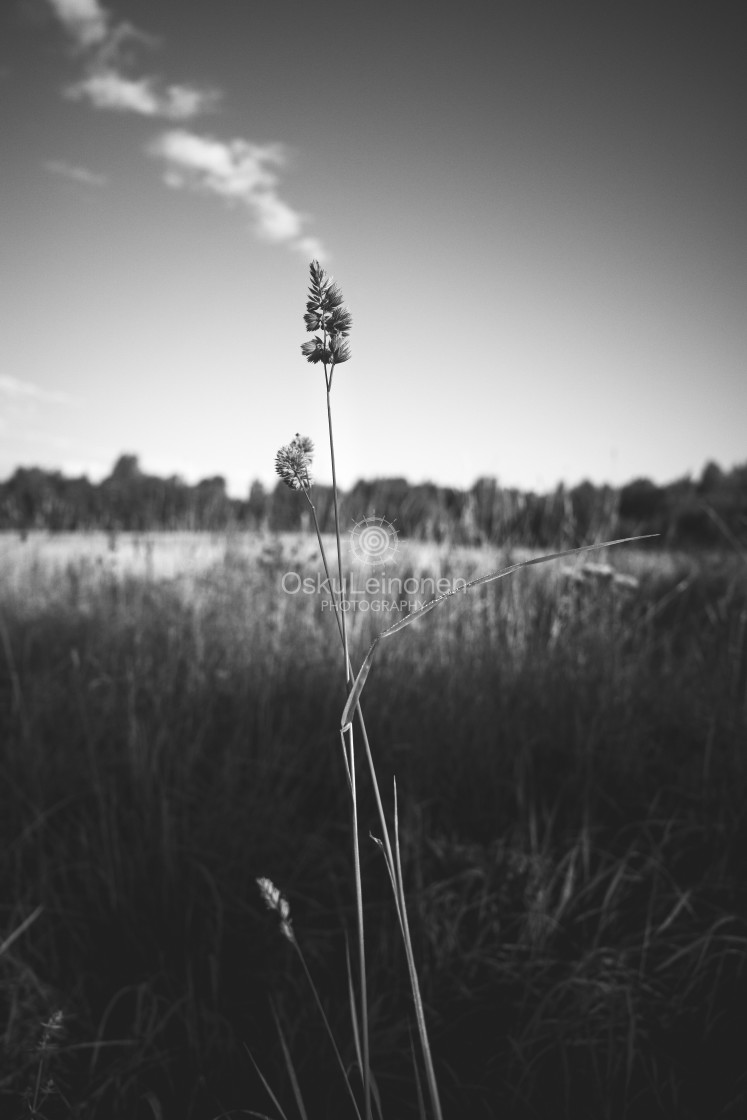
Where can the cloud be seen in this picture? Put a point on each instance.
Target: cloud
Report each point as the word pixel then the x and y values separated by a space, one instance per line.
pixel 13 389
pixel 311 248
pixel 108 89
pixel 84 20
pixel 76 174
pixel 233 168
pixel 237 170
pixel 108 50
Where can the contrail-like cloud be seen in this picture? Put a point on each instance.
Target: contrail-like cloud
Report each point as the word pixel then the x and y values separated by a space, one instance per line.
pixel 74 173
pixel 13 389
pixel 106 89
pixel 101 43
pixel 239 171
pixel 236 170
pixel 84 20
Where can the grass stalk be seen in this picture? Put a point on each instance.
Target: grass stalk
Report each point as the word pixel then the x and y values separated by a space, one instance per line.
pixel 325 1020
pixel 365 1041
pixel 325 312
pixel 348 750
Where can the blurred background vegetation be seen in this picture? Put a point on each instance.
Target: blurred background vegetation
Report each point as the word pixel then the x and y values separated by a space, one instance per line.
pixel 685 512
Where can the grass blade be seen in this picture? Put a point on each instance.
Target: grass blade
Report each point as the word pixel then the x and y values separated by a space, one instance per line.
pixel 290 1067
pixel 489 577
pixel 27 921
pixel 267 1086
pixel 358 684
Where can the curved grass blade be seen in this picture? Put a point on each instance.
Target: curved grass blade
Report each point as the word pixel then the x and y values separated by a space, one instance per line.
pixel 358 683
pixel 355 692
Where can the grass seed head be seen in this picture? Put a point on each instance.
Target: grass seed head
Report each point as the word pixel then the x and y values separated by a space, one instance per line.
pixel 293 462
pixel 277 902
pixel 326 312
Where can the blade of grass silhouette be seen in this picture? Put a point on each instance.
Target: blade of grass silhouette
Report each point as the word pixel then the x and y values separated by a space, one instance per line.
pixel 289 1066
pixel 266 1084
pixel 27 921
pixel 489 577
pixel 327 1025
pixel 326 311
pixel 357 689
pixel 353 1006
pixel 422 1115
pixel 430 1073
pixel 354 1020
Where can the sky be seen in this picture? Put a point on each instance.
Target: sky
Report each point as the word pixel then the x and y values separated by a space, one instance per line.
pixel 535 210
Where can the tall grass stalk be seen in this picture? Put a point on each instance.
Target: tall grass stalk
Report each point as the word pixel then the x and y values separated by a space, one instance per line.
pixel 326 313
pixel 350 754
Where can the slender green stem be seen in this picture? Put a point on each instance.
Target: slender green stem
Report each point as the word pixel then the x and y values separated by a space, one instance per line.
pixel 328 1028
pixel 366 1071
pixel 395 873
pixel 349 755
pixel 338 610
pixel 394 868
pixel 430 1072
pixel 328 380
pixel 393 863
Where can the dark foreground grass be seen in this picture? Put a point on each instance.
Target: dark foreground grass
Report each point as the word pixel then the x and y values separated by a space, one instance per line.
pixel 572 769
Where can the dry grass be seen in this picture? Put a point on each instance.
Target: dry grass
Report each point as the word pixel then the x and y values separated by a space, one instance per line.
pixel 571 765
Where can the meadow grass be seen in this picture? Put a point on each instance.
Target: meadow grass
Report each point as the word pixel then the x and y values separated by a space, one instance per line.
pixel 570 758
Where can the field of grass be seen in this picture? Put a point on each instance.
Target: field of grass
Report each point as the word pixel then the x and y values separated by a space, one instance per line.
pixel 571 763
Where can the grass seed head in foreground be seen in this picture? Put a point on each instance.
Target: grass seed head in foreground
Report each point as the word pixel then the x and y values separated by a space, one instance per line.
pixel 293 461
pixel 326 312
pixel 276 901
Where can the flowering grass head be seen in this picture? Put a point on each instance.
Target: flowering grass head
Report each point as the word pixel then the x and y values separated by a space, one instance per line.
pixel 277 902
pixel 326 312
pixel 293 462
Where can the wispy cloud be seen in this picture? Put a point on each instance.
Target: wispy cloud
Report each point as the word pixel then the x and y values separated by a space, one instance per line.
pixel 106 84
pixel 108 89
pixel 240 171
pixel 236 170
pixel 76 174
pixel 13 389
pixel 84 20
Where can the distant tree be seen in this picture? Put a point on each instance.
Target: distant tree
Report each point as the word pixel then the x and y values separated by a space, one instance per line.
pixel 30 496
pixel 284 513
pixel 126 470
pixel 711 479
pixel 641 500
pixel 128 499
pixel 692 525
pixel 211 504
pixel 257 504
pixel 482 515
pixel 737 478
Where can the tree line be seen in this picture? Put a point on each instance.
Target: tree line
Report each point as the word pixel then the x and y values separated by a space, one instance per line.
pixel 686 512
